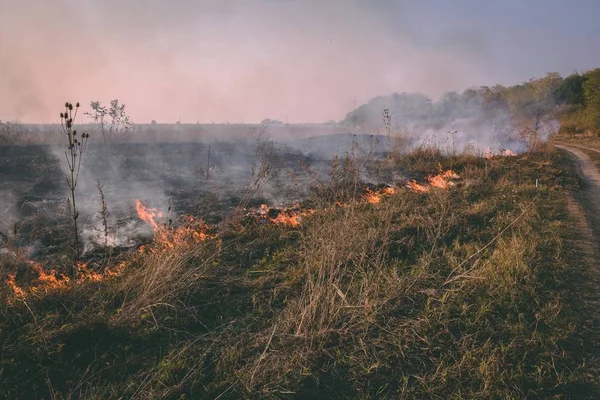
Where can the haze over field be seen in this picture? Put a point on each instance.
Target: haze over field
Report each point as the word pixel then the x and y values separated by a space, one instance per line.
pixel 300 61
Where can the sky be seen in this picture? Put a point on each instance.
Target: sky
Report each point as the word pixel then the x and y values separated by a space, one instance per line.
pixel 294 60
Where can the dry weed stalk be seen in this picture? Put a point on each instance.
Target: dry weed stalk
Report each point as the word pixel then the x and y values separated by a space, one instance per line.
pixel 73 154
pixel 103 215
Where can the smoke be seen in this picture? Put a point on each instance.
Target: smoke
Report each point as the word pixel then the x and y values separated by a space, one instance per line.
pixel 456 122
pixel 223 60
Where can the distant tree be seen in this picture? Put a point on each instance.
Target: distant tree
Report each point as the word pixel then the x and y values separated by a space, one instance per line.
pixel 591 91
pixel 10 132
pixel 153 122
pixel 118 120
pixel 98 114
pixel 268 121
pixel 570 91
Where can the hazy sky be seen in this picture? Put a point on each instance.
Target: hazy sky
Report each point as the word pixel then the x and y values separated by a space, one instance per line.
pixel 300 60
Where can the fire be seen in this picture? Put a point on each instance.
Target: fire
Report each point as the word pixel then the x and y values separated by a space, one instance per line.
pixel 193 230
pixel 147 214
pixel 48 281
pixel 291 220
pixel 449 174
pixel 442 180
pixel 84 274
pixel 503 152
pixel 372 197
pixel 17 291
pixel 417 187
pixel 291 216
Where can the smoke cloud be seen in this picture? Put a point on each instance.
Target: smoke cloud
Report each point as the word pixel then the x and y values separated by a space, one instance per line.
pixel 300 61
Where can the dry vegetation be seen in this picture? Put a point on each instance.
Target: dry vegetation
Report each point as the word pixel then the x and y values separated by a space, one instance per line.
pixel 463 292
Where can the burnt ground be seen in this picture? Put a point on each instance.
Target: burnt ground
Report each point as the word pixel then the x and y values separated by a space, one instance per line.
pixel 169 176
pixel 585 210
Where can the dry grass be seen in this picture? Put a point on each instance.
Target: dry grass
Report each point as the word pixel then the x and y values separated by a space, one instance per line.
pixel 458 293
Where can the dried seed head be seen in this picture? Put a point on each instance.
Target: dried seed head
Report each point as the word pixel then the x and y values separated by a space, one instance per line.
pixel 61 116
pixel 77 105
pixel 70 107
pixel 67 105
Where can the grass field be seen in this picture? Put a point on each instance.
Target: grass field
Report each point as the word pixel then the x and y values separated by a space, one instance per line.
pixel 472 291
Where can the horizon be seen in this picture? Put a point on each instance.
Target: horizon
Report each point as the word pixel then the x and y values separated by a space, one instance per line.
pixel 298 62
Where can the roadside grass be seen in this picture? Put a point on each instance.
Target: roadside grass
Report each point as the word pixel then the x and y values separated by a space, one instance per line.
pixel 467 292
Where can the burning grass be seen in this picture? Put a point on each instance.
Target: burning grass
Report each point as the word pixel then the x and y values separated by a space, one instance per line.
pixel 43 281
pixel 456 284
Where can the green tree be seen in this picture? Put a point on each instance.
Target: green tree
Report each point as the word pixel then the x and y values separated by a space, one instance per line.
pixel 570 91
pixel 591 92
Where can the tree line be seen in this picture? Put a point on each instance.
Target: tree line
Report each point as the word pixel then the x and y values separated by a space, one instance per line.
pixel 574 101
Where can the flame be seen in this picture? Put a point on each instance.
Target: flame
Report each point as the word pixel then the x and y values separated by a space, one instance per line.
pixel 372 197
pixel 115 271
pixel 147 214
pixel 291 216
pixel 48 281
pixel 449 174
pixel 503 152
pixel 193 230
pixel 441 180
pixel 417 187
pixel 17 291
pixel 84 274
pixel 291 220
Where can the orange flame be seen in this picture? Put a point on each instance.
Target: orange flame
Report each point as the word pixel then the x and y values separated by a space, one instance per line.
pixel 503 152
pixel 285 216
pixel 17 291
pixel 193 231
pixel 50 281
pixel 147 214
pixel 442 179
pixel 375 197
pixel 417 187
pixel 291 220
pixel 372 197
pixel 84 274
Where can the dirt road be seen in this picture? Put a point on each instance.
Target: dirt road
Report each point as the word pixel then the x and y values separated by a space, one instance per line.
pixel 585 212
pixel 587 169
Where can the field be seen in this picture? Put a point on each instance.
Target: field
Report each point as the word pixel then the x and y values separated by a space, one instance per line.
pixel 395 275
